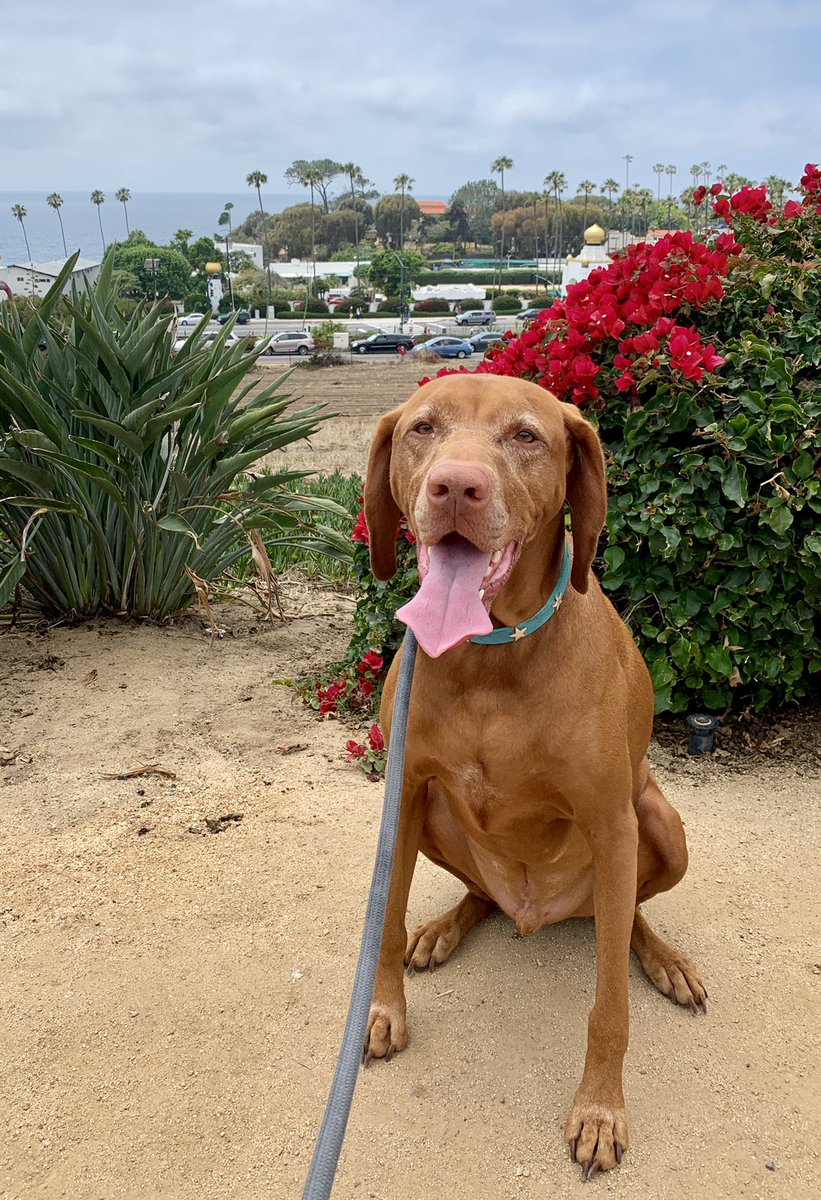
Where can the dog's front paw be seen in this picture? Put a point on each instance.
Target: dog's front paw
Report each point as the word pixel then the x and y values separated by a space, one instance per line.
pixel 597 1134
pixel 387 1032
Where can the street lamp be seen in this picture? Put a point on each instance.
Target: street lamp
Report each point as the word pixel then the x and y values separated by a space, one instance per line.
pixel 403 281
pixel 151 265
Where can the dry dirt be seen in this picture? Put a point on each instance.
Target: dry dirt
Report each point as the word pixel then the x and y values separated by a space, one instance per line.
pixel 178 952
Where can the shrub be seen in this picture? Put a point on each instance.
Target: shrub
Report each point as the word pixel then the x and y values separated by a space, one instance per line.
pixel 714 553
pixel 391 305
pixel 432 305
pixel 313 307
pixel 505 304
pixel 124 461
pixel 700 363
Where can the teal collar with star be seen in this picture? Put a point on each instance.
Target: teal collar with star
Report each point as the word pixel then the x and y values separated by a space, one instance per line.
pixel 515 633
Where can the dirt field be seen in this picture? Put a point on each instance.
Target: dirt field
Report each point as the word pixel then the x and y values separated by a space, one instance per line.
pixel 178 951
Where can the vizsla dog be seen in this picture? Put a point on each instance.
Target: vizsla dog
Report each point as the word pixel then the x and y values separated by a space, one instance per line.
pixel 526 773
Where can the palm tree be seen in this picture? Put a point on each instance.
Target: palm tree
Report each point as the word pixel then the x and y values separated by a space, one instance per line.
pixel 658 170
pixel 609 186
pixel 721 171
pixel 628 158
pixel 587 187
pixel 55 201
pixel 356 178
pixel 498 167
pixel 256 180
pixel 556 182
pixel 98 198
pixel 225 219
pixel 124 195
pixel 776 188
pixel 401 183
pixel 19 211
pixel 671 169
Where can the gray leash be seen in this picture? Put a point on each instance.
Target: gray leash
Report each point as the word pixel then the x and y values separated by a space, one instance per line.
pixel 337 1110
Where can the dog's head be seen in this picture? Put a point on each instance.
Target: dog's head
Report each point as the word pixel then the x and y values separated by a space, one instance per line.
pixel 490 459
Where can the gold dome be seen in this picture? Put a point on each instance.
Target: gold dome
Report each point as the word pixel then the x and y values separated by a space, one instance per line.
pixel 213 268
pixel 594 235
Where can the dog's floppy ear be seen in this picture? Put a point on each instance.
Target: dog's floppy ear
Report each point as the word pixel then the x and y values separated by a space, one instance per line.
pixel 381 510
pixel 586 492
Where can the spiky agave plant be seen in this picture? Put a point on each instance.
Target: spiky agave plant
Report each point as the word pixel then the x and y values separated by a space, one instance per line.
pixel 122 464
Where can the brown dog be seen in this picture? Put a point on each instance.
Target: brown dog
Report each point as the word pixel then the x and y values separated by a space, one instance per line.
pixel 526 773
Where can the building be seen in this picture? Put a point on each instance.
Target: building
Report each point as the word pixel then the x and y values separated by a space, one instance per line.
pixel 252 249
pixel 433 208
pixel 35 279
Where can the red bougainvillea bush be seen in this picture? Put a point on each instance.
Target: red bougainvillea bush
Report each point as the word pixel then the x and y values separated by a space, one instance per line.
pixel 700 360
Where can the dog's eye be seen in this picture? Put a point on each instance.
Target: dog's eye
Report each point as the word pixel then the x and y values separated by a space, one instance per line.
pixel 423 427
pixel 524 435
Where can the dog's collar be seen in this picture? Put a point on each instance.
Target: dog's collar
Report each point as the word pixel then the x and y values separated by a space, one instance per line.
pixel 515 633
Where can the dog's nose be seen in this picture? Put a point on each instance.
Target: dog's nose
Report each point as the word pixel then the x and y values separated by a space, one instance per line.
pixel 463 485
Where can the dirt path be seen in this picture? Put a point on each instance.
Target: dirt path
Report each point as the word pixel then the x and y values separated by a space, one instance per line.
pixel 178 953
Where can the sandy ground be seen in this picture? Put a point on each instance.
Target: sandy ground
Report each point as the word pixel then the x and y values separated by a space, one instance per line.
pixel 178 953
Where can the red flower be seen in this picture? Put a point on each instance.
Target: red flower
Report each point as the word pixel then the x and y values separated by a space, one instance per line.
pixel 811 179
pixel 372 662
pixel 793 209
pixel 360 529
pixel 698 196
pixel 752 201
pixel 722 208
pixel 375 738
pixel 355 750
pixel 715 189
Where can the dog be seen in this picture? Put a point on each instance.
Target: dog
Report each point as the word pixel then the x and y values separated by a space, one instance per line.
pixel 526 773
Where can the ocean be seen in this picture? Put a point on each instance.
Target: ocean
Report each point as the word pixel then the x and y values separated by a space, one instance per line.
pixel 159 214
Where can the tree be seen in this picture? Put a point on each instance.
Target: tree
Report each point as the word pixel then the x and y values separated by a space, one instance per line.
pixel 19 212
pixel 225 219
pixel 403 183
pixel 610 186
pixel 385 270
pixel 671 169
pixel 459 222
pixel 556 182
pixel 55 201
pixel 498 167
pixel 587 187
pixel 256 180
pixel 98 198
pixel 124 195
pixel 292 229
pixel 658 171
pixel 478 198
pixel 173 269
pixel 357 179
pixel 392 214
pixel 321 172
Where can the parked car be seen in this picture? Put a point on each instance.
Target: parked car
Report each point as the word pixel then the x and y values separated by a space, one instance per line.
pixel 190 319
pixel 292 341
pixel 243 317
pixel 207 339
pixel 528 314
pixel 336 298
pixel 446 347
pixel 383 343
pixel 476 316
pixel 481 341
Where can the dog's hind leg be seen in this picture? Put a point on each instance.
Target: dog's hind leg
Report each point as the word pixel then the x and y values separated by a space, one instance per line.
pixel 673 973
pixel 433 943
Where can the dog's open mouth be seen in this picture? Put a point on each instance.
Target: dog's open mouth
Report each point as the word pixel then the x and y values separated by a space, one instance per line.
pixel 458 582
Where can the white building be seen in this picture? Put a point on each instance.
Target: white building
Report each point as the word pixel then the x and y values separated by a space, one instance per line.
pixel 253 251
pixel 35 279
pixel 593 255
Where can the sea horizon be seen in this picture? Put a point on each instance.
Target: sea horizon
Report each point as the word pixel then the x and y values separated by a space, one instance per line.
pixel 157 214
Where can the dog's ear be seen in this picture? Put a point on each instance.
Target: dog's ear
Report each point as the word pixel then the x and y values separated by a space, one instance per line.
pixel 381 510
pixel 586 492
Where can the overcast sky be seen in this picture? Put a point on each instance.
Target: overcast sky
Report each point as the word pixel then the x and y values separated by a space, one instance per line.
pixel 165 96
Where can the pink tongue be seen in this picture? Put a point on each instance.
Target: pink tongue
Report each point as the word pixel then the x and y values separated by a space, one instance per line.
pixel 446 610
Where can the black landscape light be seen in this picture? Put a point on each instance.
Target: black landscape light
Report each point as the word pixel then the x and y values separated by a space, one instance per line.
pixel 702 733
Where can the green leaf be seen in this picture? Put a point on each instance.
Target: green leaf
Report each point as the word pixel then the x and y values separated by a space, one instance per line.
pixel 10 575
pixel 734 483
pixel 177 524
